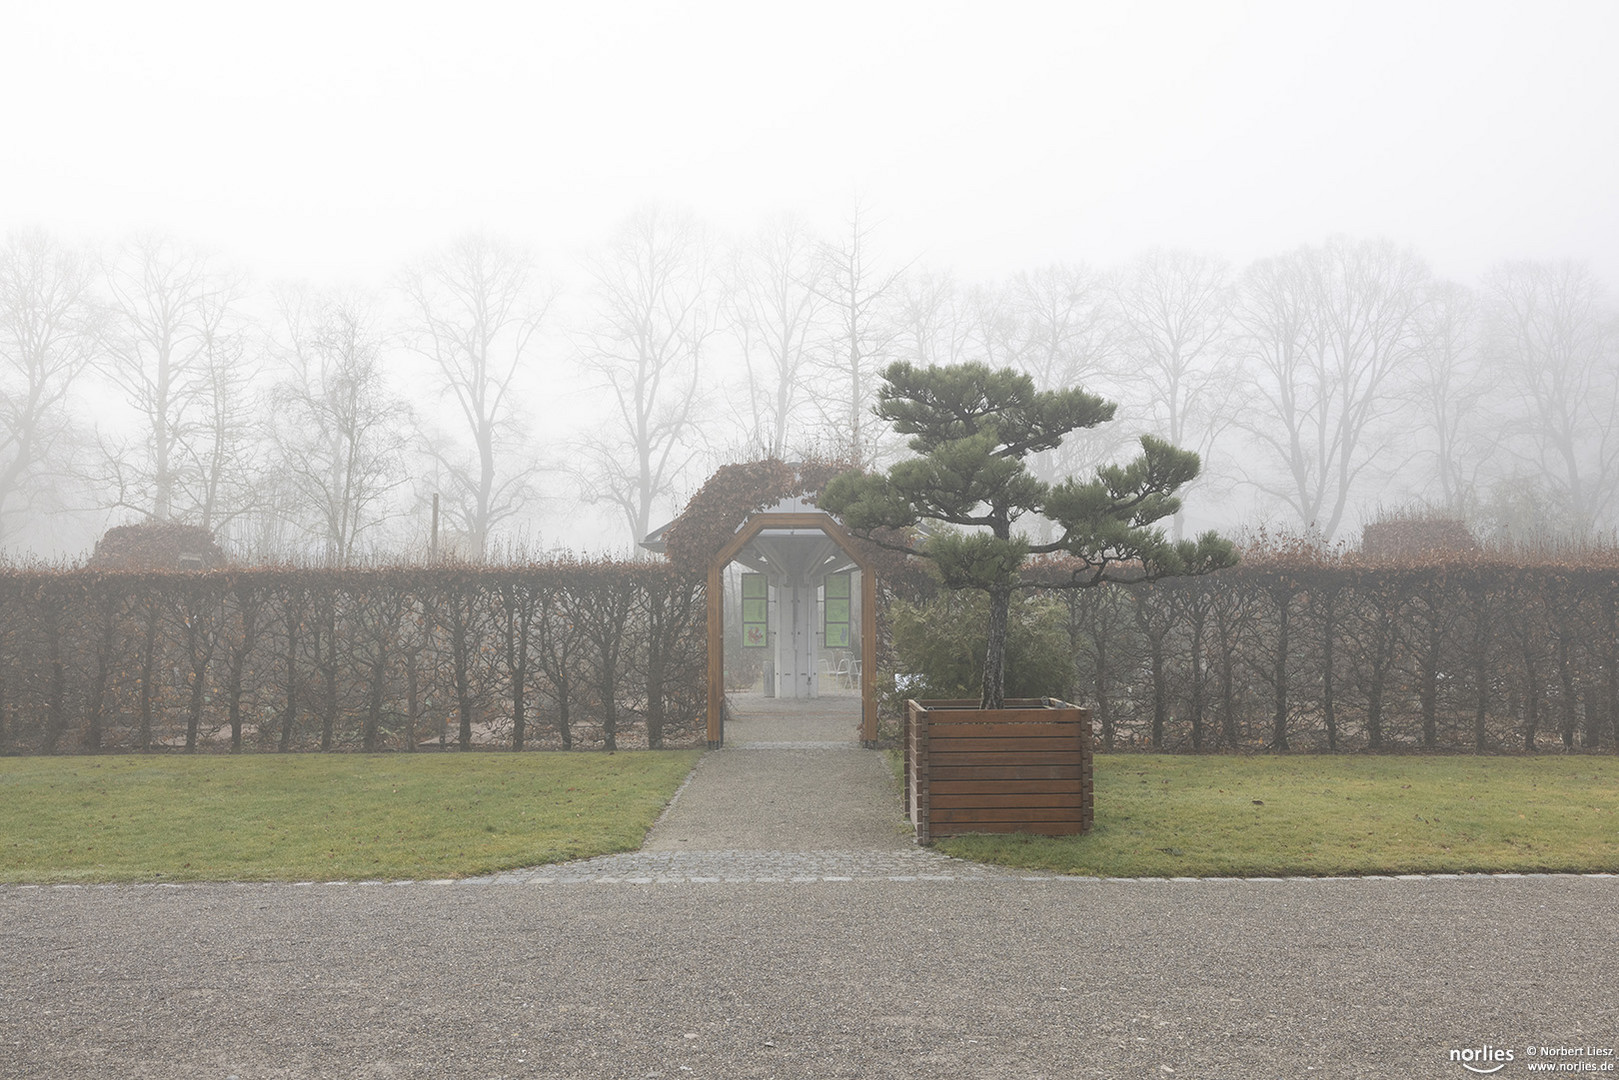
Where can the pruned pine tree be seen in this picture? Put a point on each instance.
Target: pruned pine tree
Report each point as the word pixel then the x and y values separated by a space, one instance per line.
pixel 974 429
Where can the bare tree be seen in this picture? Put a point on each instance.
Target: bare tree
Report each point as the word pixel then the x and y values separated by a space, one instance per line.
pixel 172 305
pixel 1065 331
pixel 1176 310
pixel 1449 392
pixel 856 292
pixel 48 329
pixel 1059 324
pixel 339 433
pixel 652 319
pixel 932 320
pixel 777 311
pixel 221 474
pixel 477 305
pixel 1552 339
pixel 1325 331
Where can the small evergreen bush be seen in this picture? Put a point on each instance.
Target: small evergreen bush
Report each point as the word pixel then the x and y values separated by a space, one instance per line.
pixel 943 642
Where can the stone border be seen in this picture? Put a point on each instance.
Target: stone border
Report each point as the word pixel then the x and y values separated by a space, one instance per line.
pixel 778 872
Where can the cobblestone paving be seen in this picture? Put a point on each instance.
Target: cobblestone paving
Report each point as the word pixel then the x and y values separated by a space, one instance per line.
pixel 650 867
pixel 776 868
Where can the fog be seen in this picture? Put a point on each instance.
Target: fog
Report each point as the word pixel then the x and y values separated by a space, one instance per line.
pixel 291 275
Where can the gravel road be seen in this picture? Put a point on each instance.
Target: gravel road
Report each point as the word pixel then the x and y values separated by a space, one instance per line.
pixel 1007 978
pixel 779 925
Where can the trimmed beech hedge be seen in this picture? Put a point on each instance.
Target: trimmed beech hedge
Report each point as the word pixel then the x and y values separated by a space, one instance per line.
pixel 569 655
pixel 1307 651
pixel 1295 650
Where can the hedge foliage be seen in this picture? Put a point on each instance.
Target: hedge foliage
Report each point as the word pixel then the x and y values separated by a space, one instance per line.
pixel 1306 650
pixel 566 654
pixel 1291 650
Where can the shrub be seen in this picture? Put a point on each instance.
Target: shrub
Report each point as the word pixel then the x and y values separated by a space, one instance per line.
pixel 944 641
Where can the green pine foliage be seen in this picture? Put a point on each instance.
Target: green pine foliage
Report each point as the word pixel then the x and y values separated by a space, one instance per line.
pixel 973 430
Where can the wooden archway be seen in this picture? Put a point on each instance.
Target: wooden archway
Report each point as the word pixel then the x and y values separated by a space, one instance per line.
pixel 716 617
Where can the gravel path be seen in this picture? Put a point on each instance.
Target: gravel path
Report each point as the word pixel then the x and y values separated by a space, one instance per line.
pixel 779 923
pixel 1210 979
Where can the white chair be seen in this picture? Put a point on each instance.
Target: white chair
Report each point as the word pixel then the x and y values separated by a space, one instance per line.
pixel 843 673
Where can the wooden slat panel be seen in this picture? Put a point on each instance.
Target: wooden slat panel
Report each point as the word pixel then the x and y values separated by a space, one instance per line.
pixel 1002 813
pixel 1003 730
pixel 1040 828
pixel 968 800
pixel 992 745
pixel 939 757
pixel 941 706
pixel 946 772
pixel 1007 786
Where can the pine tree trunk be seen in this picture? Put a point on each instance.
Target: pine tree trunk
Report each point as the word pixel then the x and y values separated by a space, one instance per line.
pixel 994 692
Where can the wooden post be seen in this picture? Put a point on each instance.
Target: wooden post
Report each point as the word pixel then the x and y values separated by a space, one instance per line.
pixel 868 659
pixel 716 655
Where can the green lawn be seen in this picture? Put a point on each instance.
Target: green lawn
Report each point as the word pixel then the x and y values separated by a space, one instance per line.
pixel 328 817
pixel 1167 816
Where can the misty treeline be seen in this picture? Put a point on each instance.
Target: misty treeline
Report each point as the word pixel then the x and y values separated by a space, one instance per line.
pixel 561 655
pixel 150 381
pixel 1302 647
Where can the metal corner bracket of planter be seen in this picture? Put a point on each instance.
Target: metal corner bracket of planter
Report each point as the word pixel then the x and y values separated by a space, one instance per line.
pixel 1023 768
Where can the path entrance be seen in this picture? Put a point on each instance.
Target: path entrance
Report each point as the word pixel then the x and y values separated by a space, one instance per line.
pixel 806 560
pixel 792 777
pixel 792 797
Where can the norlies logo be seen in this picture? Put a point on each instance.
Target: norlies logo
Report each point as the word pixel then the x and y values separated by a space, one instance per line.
pixel 1483 1060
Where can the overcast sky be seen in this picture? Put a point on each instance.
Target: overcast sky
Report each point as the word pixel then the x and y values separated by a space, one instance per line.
pixel 332 140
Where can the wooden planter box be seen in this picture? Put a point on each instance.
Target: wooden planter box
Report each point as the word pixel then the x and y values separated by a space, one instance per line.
pixel 1024 768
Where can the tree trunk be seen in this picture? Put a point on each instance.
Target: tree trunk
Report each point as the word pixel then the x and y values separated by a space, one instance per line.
pixel 1279 715
pixel 1228 701
pixel 289 714
pixel 1531 702
pixel 148 662
pixel 373 712
pixel 1197 680
pixel 98 684
pixel 564 721
pixel 654 701
pixel 328 719
pixel 517 666
pixel 1160 690
pixel 1565 675
pixel 413 705
pixel 1429 688
pixel 249 612
pixel 1594 721
pixel 1329 639
pixel 199 682
pixel 56 689
pixel 1104 708
pixel 460 649
pixel 994 689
